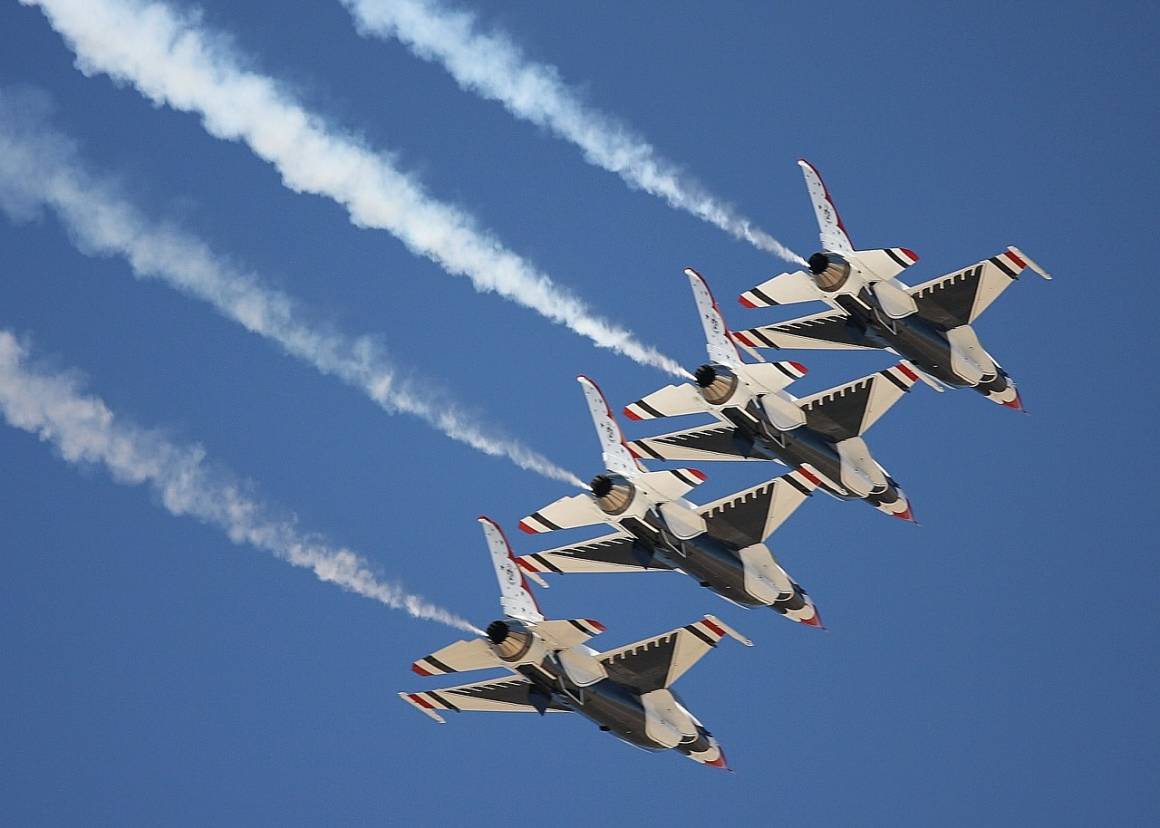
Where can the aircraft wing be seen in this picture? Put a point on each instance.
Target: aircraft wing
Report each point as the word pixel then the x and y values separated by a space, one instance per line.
pixel 515 695
pixel 849 410
pixel 618 552
pixel 961 297
pixel 826 330
pixel 659 661
pixel 715 442
pixel 751 516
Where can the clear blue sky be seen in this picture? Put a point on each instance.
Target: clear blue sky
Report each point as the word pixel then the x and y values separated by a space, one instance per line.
pixel 996 665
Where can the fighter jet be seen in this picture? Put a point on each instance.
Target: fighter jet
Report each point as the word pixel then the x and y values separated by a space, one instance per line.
pixel 760 420
pixel 625 691
pixel 721 544
pixel 929 324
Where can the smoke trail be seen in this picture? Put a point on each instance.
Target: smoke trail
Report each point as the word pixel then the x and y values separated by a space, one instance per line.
pixel 172 60
pixel 84 430
pixel 39 167
pixel 492 66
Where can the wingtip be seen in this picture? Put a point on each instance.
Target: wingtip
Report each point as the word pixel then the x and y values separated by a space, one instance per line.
pixel 745 303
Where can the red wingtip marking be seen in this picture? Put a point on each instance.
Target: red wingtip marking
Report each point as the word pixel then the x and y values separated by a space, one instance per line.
pixel 632 415
pixel 526 528
pixel 904 368
pixel 712 626
pixel 743 339
pixel 592 623
pixel 520 562
pixel 419 700
pixel 810 476
pixel 910 254
pixel 1014 258
pixel 1016 403
pixel 417 669
pixel 745 302
pixel 697 473
pixel 801 369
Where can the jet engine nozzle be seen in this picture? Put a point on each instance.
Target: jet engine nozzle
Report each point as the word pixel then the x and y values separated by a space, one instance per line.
pixel 717 383
pixel 613 493
pixel 509 639
pixel 830 271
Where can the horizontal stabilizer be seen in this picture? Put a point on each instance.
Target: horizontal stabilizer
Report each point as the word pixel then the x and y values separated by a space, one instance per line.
pixel 457 658
pixel 670 401
pixel 715 442
pixel 784 289
pixel 829 330
pixel 671 484
pixel 659 661
pixel 768 377
pixel 849 410
pixel 568 632
pixel 516 695
pixel 961 297
pixel 751 516
pixel 884 264
pixel 617 552
pixel 566 513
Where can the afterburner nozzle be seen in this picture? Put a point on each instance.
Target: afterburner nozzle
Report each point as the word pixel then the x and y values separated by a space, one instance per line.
pixel 830 270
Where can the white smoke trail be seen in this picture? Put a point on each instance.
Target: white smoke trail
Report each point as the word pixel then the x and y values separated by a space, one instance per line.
pixel 38 166
pixel 168 57
pixel 492 66
pixel 84 430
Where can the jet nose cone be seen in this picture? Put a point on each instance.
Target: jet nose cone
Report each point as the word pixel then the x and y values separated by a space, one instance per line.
pixel 906 514
pixel 815 620
pixel 719 762
pixel 1016 403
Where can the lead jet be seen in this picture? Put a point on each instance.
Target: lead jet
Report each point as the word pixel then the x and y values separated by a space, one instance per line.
pixel 871 308
pixel 625 691
pixel 721 545
pixel 760 420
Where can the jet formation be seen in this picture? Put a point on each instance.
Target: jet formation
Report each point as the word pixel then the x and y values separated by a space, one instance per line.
pixel 724 545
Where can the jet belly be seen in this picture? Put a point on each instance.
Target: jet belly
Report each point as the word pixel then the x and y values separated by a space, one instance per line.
pixel 653 721
pixel 716 565
pixel 918 339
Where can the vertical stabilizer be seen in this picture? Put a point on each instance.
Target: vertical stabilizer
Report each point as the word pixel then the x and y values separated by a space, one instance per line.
pixel 516 597
pixel 617 457
pixel 831 230
pixel 718 343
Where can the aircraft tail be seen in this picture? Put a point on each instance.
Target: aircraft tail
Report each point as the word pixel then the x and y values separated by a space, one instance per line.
pixel 617 456
pixel 717 340
pixel 516 596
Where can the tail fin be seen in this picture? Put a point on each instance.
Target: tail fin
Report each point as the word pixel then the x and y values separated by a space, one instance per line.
pixel 516 598
pixel 831 230
pixel 617 456
pixel 718 342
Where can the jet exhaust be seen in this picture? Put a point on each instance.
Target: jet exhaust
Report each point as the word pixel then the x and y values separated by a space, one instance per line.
pixel 830 271
pixel 717 383
pixel 613 493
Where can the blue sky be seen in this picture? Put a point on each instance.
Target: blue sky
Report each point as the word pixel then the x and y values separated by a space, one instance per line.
pixel 995 664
